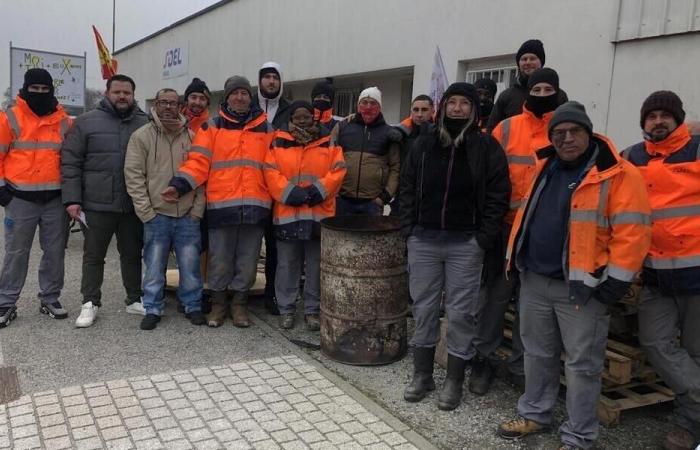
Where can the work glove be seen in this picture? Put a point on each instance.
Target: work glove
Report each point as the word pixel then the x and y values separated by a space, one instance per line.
pixel 313 196
pixel 611 291
pixel 296 197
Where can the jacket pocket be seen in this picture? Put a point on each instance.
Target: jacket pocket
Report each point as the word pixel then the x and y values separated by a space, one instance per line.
pixel 98 187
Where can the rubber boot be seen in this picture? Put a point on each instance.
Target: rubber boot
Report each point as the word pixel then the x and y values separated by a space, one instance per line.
pixel 239 310
pixel 217 315
pixel 481 376
pixel 422 382
pixel 451 392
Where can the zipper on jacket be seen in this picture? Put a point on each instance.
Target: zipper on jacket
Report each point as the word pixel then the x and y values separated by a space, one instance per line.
pixel 365 137
pixel 447 186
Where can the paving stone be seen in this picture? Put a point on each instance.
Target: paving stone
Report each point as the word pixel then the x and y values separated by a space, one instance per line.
pixel 125 402
pixel 155 413
pixel 45 399
pixel 246 425
pixel 120 444
pixel 109 421
pixel 405 446
pixel 102 411
pixel 199 434
pixel 171 395
pixel 117 384
pixel 326 426
pixel 88 444
pixel 192 423
pixel 84 432
pixel 228 436
pixel 24 431
pixel 141 434
pixel 305 407
pixel 267 445
pixel 166 385
pixel 379 428
pixel 254 406
pixel 197 395
pixel 185 413
pixel 237 414
pixel 161 378
pixel 81 421
pixel 285 435
pixel 149 444
pixel 222 396
pixel 392 438
pixel 133 423
pixel 210 444
pixel 21 409
pixel 311 436
pixel 154 402
pixel 114 433
pixel 253 436
pixel 300 425
pixel 246 396
pixel 184 378
pixel 262 389
pixel 205 404
pixel 273 425
pixel 146 393
pixel 218 424
pixel 141 384
pixel 289 416
pixel 131 411
pixel 211 414
pixel 171 434
pixel 296 445
pixel 26 443
pixel 366 438
pixel 279 407
pixel 100 401
pixel 208 379
pixel 25 419
pixel 164 423
pixel 96 391
pixel 73 390
pixel 58 443
pixel 54 431
pixel 179 445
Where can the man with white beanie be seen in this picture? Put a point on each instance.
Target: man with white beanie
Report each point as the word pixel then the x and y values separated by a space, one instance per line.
pixel 371 150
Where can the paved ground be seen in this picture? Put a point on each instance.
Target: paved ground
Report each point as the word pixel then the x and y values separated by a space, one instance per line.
pixel 227 387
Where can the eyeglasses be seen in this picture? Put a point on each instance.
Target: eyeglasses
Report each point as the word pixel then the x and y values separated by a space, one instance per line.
pixel 560 135
pixel 167 104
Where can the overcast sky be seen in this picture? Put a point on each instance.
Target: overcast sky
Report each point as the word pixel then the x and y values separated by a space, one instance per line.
pixel 64 26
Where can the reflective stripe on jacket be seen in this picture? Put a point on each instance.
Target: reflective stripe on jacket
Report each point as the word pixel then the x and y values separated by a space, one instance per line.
pixel 609 222
pixel 30 148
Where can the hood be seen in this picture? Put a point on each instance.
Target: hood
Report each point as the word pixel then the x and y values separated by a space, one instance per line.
pixel 276 66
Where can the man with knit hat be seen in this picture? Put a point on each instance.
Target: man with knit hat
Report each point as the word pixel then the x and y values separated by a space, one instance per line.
pixel 371 150
pixel 578 240
pixel 196 107
pixel 529 57
pixel 486 88
pixel 31 133
pixel 228 154
pixel 669 160
pixel 322 96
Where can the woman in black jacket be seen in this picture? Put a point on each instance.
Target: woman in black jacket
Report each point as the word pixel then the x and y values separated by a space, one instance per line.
pixel 454 193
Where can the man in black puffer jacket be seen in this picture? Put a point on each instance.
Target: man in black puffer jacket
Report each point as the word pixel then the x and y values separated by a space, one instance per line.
pixel 92 182
pixel 454 193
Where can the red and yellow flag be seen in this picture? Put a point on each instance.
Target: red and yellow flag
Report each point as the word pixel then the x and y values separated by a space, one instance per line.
pixel 108 64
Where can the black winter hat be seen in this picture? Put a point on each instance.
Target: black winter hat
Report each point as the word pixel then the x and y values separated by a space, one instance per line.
pixel 267 70
pixel 296 104
pixel 544 75
pixel 199 86
pixel 38 76
pixel 323 87
pixel 571 111
pixel 533 46
pixel 461 88
pixel 487 84
pixel 664 100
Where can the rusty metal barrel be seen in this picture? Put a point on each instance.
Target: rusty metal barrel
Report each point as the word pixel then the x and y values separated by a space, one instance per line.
pixel 364 290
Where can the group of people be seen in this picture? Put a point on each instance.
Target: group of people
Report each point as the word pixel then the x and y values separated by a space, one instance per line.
pixel 513 198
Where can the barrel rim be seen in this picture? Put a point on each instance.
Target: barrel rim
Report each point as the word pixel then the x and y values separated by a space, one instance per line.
pixel 328 223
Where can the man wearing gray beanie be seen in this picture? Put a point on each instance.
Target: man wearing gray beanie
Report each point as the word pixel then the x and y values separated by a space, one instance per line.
pixel 578 240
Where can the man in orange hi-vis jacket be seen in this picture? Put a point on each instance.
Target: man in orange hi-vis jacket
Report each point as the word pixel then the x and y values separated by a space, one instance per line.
pixel 228 154
pixel 31 133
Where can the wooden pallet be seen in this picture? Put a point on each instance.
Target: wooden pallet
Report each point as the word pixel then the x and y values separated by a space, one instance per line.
pixel 636 395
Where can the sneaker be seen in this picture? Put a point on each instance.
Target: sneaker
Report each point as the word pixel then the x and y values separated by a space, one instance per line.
pixel 7 315
pixel 196 318
pixel 54 310
pixel 136 308
pixel 520 427
pixel 287 321
pixel 679 439
pixel 150 321
pixel 313 323
pixel 88 314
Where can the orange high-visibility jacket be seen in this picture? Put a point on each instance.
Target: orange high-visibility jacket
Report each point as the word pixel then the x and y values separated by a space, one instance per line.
pixel 521 136
pixel 30 148
pixel 609 222
pixel 671 169
pixel 229 157
pixel 289 164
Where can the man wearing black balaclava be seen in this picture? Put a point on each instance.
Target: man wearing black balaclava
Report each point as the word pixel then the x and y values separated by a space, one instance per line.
pixel 31 133
pixel 486 89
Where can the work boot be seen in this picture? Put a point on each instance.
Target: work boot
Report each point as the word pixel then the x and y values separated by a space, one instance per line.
pixel 217 315
pixel 287 321
pixel 239 310
pixel 196 318
pixel 149 321
pixel 451 392
pixel 313 323
pixel 54 310
pixel 520 427
pixel 481 376
pixel 679 439
pixel 7 315
pixel 422 382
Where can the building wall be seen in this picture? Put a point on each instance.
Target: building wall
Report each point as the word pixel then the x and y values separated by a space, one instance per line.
pixel 313 39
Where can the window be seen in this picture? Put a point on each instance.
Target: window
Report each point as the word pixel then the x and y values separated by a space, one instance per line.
pixel 345 101
pixel 503 76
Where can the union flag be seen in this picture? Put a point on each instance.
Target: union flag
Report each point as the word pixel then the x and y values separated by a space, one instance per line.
pixel 107 63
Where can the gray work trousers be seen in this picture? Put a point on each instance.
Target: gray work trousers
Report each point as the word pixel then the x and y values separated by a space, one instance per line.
pixel 292 256
pixel 661 318
pixel 233 257
pixel 550 323
pixel 21 220
pixel 454 266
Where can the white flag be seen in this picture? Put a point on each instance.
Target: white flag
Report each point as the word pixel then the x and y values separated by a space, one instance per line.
pixel 438 80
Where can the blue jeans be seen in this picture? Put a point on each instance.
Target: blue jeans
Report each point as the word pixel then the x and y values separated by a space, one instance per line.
pixel 346 208
pixel 183 234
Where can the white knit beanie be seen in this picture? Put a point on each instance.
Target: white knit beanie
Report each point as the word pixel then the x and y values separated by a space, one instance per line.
pixel 373 93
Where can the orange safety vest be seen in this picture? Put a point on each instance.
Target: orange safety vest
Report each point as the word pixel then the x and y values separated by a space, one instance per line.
pixel 229 157
pixel 521 136
pixel 671 169
pixel 609 222
pixel 30 148
pixel 289 164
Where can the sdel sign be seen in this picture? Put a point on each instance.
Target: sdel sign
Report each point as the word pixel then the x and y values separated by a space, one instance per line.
pixel 175 62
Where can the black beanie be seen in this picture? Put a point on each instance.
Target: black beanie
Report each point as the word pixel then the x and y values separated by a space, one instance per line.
pixel 267 70
pixel 38 76
pixel 323 87
pixel 300 104
pixel 461 88
pixel 664 100
pixel 487 84
pixel 199 86
pixel 533 46
pixel 544 75
pixel 571 111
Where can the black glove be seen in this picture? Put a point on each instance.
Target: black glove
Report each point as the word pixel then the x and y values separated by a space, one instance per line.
pixel 296 197
pixel 611 291
pixel 313 196
pixel 5 196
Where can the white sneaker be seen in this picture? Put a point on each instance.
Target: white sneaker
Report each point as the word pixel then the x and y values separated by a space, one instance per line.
pixel 88 314
pixel 136 308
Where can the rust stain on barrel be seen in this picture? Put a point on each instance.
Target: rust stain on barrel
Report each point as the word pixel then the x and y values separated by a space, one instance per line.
pixel 364 290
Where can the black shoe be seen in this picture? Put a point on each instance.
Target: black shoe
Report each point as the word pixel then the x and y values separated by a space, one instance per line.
pixel 150 321
pixel 481 376
pixel 451 392
pixel 271 305
pixel 7 315
pixel 196 318
pixel 422 382
pixel 54 310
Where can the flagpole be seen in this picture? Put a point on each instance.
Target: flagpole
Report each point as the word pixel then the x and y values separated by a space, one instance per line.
pixel 114 22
